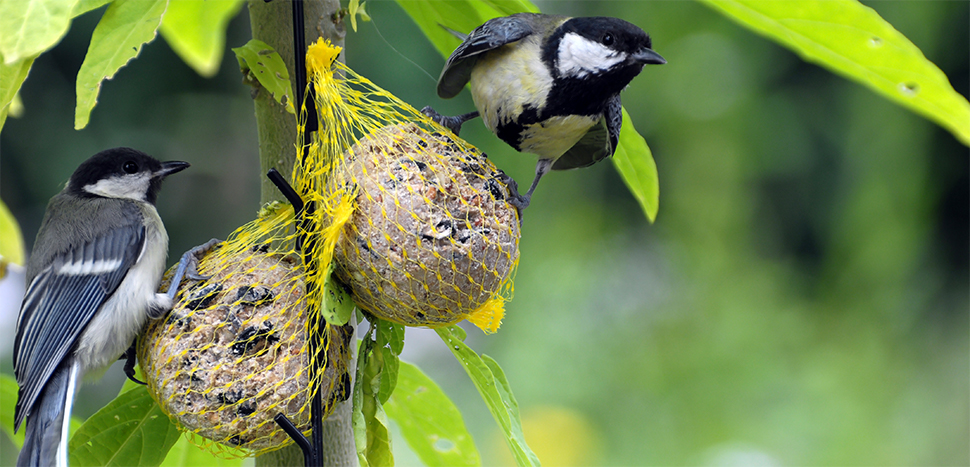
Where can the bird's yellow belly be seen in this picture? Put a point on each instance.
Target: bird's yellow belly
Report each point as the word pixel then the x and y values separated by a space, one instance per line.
pixel 505 81
pixel 554 136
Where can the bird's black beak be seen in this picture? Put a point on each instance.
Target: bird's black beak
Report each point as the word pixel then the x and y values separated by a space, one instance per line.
pixel 648 57
pixel 170 167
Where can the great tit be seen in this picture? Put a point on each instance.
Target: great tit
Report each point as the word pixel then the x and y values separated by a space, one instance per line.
pixel 92 280
pixel 548 85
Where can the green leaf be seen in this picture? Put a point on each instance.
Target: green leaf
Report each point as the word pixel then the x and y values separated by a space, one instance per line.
pixel 186 454
pixel 854 41
pixel 196 31
pixel 510 7
pixel 130 430
pixel 352 8
pixel 16 109
pixel 460 15
pixel 429 421
pixel 11 78
pixel 11 241
pixel 490 381
pixel 85 6
pixel 262 62
pixel 8 402
pixel 118 38
pixel 635 163
pixel 390 339
pixel 31 27
pixel 370 423
pixel 337 304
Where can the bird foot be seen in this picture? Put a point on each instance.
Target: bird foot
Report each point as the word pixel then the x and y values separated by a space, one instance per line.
pixel 129 358
pixel 189 266
pixel 452 123
pixel 516 199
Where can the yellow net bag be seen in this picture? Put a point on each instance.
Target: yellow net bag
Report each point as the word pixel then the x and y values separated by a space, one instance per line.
pixel 430 236
pixel 414 221
pixel 234 351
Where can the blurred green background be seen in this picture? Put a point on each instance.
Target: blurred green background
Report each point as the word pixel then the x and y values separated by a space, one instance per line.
pixel 802 298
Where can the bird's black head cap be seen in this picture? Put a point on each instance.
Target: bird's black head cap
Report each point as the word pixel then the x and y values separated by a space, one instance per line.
pixel 614 33
pixel 122 163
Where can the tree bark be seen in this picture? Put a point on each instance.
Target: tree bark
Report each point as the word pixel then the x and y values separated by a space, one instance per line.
pixel 272 23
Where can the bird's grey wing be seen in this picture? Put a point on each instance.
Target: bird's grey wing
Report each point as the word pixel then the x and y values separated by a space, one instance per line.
pixel 491 35
pixel 599 142
pixel 60 301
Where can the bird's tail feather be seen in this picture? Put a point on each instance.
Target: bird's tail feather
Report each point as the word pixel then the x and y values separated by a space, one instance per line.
pixel 457 34
pixel 46 433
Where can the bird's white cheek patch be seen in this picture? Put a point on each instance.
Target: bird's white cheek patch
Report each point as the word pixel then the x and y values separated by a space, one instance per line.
pixel 89 267
pixel 125 187
pixel 579 56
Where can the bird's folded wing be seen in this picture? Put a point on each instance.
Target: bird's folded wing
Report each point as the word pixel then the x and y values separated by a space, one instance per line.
pixel 61 300
pixel 491 35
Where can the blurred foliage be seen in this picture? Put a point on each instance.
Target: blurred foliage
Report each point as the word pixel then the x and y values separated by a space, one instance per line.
pixel 11 240
pixel 801 299
pixel 854 41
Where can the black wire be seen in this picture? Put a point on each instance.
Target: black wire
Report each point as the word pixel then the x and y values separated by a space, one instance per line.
pixel 294 432
pixel 288 192
pixel 299 52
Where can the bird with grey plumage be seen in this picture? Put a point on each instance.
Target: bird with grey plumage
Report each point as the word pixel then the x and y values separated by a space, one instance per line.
pixel 548 85
pixel 92 279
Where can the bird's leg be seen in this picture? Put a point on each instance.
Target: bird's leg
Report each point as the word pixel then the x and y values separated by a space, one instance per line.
pixel 522 201
pixel 514 196
pixel 451 123
pixel 188 266
pixel 129 358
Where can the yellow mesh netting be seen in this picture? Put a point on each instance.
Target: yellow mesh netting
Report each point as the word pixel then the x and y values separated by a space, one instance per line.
pixel 234 351
pixel 417 224
pixel 432 238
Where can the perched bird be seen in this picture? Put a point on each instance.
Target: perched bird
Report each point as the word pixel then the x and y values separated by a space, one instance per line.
pixel 92 280
pixel 548 85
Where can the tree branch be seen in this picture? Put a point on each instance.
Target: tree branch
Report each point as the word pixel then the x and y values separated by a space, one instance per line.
pixel 271 23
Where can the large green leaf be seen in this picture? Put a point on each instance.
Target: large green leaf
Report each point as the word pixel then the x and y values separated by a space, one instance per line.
pixel 130 430
pixel 635 163
pixel 259 60
pixel 196 31
pixel 11 77
pixel 429 421
pixel 85 6
pixel 186 454
pixel 118 38
pixel 28 28
pixel 853 40
pixel 491 383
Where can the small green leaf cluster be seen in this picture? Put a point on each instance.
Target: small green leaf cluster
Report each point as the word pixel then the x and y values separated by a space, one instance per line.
pixel 196 31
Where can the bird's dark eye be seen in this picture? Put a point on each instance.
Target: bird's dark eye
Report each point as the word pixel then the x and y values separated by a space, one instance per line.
pixel 130 167
pixel 608 39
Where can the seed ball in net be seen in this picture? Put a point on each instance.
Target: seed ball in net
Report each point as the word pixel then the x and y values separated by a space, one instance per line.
pixel 232 352
pixel 433 235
